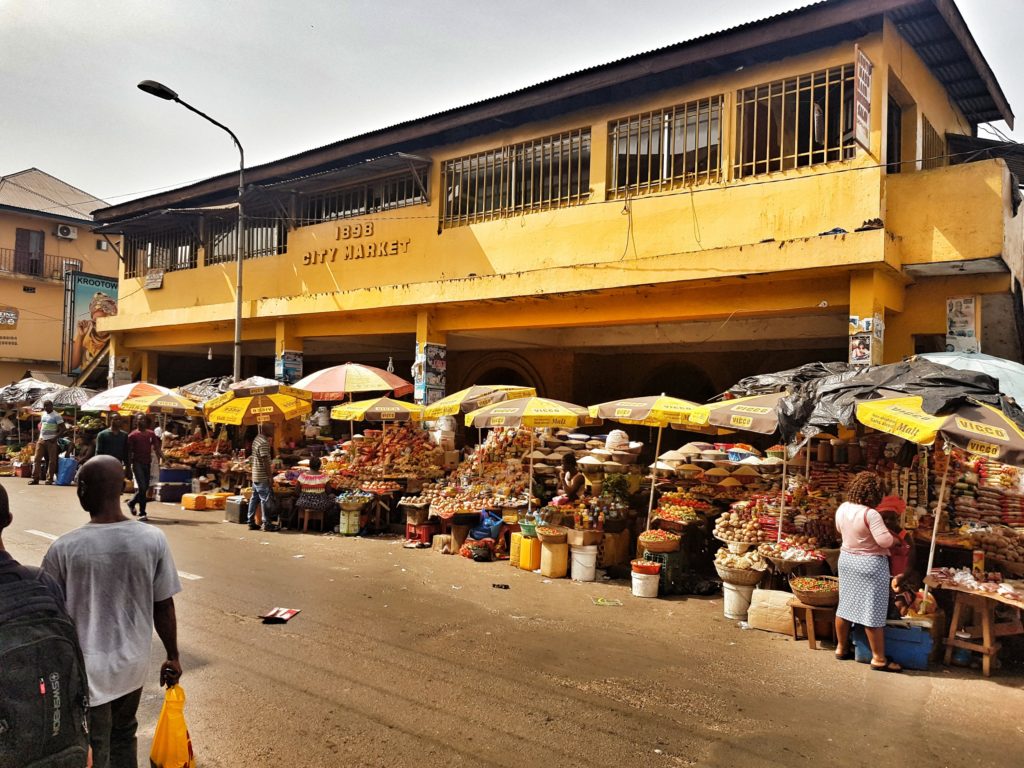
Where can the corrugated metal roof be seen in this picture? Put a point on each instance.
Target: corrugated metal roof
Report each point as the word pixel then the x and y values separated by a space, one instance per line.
pixel 38 191
pixel 971 83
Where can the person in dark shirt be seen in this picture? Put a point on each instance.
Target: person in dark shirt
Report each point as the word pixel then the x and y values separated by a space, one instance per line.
pixel 113 441
pixel 142 444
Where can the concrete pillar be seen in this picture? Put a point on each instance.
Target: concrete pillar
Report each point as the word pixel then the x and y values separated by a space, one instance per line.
pixel 427 334
pixel 149 366
pixel 873 293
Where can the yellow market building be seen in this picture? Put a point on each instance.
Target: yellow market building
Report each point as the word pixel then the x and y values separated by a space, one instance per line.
pixel 667 222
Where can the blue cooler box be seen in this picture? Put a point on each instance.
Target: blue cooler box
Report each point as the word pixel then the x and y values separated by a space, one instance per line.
pixel 176 476
pixel 908 646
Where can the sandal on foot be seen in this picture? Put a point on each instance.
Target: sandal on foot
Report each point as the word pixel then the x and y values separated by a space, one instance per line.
pixel 889 666
pixel 845 656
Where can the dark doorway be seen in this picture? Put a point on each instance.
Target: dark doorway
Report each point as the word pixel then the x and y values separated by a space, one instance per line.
pixel 504 376
pixel 894 137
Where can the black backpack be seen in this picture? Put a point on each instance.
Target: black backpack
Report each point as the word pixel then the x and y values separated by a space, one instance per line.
pixel 43 709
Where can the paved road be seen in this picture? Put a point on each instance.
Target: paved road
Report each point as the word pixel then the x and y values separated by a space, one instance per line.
pixel 410 658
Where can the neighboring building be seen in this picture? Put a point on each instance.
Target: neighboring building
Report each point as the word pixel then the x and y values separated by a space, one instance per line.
pixel 667 222
pixel 45 231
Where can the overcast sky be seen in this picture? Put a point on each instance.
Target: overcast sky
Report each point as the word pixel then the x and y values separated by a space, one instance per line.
pixel 291 75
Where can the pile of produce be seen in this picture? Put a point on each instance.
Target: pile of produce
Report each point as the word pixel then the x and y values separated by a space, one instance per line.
pixel 398 451
pixel 656 537
pixel 90 422
pixel 380 486
pixel 794 549
pixel 812 584
pixel 748 561
pixel 199 452
pixel 739 526
pixel 1002 545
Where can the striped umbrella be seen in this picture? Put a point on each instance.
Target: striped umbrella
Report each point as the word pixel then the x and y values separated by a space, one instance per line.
pixel 258 405
pixel 377 409
pixel 650 411
pixel 339 381
pixel 171 404
pixel 474 397
pixel 111 399
pixel 532 412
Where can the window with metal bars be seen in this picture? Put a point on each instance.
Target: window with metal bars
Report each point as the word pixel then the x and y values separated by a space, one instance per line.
pixel 933 148
pixel 679 145
pixel 170 250
pixel 264 236
pixel 346 202
pixel 795 122
pixel 550 172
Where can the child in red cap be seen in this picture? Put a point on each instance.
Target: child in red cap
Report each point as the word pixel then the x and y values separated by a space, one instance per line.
pixel 891 508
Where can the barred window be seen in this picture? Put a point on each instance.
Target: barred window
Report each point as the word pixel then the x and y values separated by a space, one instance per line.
pixel 667 147
pixel 170 250
pixel 521 178
pixel 933 148
pixel 264 236
pixel 795 122
pixel 346 202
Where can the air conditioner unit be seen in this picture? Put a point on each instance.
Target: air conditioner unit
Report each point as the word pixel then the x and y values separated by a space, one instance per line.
pixel 67 232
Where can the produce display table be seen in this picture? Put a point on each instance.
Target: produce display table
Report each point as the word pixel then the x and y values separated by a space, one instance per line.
pixel 983 605
pixel 805 615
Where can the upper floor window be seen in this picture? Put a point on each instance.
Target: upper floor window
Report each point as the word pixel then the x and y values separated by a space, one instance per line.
pixel 264 236
pixel 345 202
pixel 535 175
pixel 169 250
pixel 796 122
pixel 676 145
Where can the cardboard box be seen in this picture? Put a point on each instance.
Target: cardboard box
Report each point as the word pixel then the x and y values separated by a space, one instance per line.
pixel 770 611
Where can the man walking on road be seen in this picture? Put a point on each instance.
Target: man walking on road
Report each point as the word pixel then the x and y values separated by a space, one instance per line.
pixel 261 488
pixel 113 441
pixel 120 583
pixel 142 444
pixel 51 428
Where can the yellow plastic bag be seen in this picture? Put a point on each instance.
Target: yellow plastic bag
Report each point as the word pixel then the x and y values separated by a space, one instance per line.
pixel 172 746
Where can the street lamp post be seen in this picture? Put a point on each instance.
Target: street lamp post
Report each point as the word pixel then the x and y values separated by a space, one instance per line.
pixel 163 92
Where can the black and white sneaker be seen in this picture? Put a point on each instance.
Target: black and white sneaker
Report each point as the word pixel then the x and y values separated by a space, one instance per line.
pixel 143 518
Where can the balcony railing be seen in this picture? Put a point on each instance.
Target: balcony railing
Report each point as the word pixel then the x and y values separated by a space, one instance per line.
pixel 43 266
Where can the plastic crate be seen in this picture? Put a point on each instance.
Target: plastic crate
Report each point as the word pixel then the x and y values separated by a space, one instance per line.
pixel 673 566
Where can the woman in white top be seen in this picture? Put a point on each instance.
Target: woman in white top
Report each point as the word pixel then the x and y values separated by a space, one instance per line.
pixel 863 570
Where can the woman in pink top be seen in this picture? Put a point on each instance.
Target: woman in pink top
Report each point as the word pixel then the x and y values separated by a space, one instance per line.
pixel 863 570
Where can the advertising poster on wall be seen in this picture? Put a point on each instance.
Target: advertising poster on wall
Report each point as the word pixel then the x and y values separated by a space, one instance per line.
pixel 288 366
pixel 860 349
pixel 962 324
pixel 87 298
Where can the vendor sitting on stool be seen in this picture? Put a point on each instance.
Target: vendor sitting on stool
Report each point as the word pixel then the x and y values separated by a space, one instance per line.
pixel 314 495
pixel 570 479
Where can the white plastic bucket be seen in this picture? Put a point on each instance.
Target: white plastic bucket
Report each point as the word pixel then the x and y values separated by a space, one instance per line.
pixel 645 584
pixel 584 563
pixel 348 524
pixel 737 600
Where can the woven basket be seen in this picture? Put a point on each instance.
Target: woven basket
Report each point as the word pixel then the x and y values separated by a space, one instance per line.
pixel 743 577
pixel 558 538
pixel 819 599
pixel 660 546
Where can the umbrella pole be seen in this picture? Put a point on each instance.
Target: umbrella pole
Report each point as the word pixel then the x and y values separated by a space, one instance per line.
pixel 935 527
pixel 654 474
pixel 807 462
pixel 782 494
pixel 529 491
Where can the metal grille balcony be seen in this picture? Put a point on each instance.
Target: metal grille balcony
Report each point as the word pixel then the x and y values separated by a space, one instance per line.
pixel 42 266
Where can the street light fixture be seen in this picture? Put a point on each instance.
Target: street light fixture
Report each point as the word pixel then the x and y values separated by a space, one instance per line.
pixel 161 91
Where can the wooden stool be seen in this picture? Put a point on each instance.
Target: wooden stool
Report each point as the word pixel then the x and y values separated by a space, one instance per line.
pixel 305 515
pixel 805 615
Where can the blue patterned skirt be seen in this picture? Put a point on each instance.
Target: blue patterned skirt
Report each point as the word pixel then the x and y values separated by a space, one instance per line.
pixel 863 589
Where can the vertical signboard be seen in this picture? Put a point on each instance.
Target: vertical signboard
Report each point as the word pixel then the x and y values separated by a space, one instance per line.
pixel 430 373
pixel 862 98
pixel 87 298
pixel 962 324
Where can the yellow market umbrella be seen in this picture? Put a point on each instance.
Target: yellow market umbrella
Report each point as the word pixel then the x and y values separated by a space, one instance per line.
pixel 758 413
pixel 258 405
pixel 651 411
pixel 534 413
pixel 377 409
pixel 972 427
pixel 170 404
pixel 477 396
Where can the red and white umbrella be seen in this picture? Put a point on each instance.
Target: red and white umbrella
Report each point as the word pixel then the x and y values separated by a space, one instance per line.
pixel 111 399
pixel 339 381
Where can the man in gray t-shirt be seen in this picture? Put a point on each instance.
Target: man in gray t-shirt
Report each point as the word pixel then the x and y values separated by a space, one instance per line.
pixel 119 580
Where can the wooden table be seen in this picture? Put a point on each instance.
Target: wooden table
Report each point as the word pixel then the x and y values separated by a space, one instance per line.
pixel 805 614
pixel 984 606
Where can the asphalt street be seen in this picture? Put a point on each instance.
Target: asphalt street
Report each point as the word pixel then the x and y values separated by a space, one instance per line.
pixel 411 658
